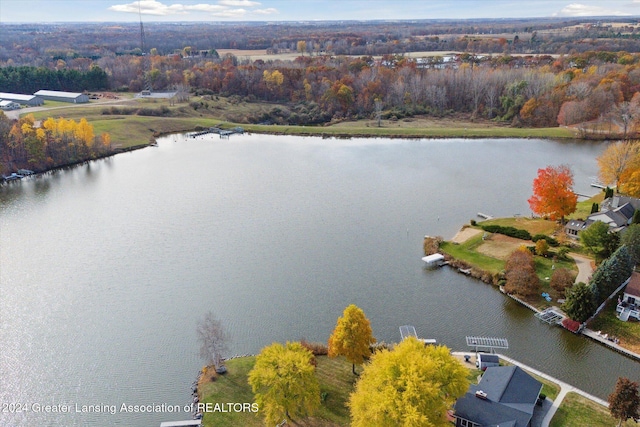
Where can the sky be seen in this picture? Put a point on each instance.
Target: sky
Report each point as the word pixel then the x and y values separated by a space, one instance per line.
pixel 12 11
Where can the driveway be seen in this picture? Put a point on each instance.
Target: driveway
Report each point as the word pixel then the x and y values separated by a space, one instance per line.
pixel 584 267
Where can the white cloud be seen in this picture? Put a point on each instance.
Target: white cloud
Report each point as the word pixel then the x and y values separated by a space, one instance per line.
pixel 239 3
pixel 577 9
pixel 230 13
pixel 221 10
pixel 271 11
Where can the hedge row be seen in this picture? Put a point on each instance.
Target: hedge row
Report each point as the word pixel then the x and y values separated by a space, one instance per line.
pixel 507 231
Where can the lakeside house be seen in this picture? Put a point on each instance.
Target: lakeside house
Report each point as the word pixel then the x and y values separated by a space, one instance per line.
pixel 629 305
pixel 505 396
pixel 617 212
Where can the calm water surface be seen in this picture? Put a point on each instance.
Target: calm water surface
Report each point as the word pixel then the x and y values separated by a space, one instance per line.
pixel 106 268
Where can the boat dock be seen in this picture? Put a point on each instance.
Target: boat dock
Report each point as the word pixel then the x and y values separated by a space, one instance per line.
pixel 484 216
pixel 550 316
pixel 224 133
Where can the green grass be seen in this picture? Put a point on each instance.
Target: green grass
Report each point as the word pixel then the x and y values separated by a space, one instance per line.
pixel 466 252
pixel 583 209
pixel 334 375
pixel 578 411
pixel 627 332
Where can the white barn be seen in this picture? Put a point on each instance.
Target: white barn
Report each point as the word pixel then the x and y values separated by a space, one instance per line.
pixel 55 95
pixel 29 100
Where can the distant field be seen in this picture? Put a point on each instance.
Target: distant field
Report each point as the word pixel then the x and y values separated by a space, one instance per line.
pixel 254 54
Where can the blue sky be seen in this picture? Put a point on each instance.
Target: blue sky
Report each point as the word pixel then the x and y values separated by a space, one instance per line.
pixel 296 10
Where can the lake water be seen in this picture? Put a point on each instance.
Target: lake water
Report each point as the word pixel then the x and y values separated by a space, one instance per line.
pixel 107 267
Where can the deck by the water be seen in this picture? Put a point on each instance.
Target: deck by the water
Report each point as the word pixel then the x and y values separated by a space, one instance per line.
pixel 224 133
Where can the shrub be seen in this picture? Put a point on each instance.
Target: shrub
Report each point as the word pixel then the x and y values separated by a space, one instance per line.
pixel 316 348
pixel 542 247
pixel 562 253
pixel 507 231
pixel 473 222
pixel 561 279
pixel 550 240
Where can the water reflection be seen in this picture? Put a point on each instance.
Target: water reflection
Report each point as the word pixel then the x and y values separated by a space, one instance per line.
pixel 276 235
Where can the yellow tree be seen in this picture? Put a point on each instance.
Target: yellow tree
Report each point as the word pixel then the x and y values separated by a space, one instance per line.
pixel 352 337
pixel 412 385
pixel 616 160
pixel 284 382
pixel 84 132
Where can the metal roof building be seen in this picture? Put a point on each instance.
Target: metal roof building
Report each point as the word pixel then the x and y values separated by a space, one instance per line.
pixel 55 95
pixel 30 100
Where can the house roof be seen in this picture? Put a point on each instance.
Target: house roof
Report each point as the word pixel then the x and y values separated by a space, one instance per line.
pixel 511 395
pixel 575 224
pixel 633 287
pixel 612 218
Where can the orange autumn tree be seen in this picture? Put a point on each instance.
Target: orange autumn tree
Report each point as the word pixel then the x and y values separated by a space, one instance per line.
pixel 553 195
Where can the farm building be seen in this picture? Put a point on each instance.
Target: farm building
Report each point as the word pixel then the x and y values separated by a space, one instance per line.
pixel 9 105
pixel 29 100
pixel 54 95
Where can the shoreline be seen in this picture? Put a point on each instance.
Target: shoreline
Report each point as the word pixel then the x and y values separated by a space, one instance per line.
pixel 490 279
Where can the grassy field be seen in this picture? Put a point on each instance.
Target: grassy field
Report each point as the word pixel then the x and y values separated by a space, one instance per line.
pixel 467 252
pixel 334 375
pixel 627 332
pixel 577 411
pixel 135 130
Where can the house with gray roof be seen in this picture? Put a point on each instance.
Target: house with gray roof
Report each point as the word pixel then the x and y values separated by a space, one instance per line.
pixel 505 396
pixel 617 212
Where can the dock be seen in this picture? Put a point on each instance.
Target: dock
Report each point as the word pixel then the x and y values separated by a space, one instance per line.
pixel 550 316
pixel 224 133
pixel 484 216
pixel 188 423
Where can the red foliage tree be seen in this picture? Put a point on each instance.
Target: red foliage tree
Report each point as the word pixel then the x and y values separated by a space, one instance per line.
pixel 553 196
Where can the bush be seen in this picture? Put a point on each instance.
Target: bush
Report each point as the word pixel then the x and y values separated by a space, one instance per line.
pixel 562 253
pixel 473 222
pixel 550 240
pixel 317 348
pixel 507 231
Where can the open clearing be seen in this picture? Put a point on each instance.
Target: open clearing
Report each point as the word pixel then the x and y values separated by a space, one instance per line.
pixel 501 246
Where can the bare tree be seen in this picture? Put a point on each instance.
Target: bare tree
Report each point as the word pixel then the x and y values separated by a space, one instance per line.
pixel 213 341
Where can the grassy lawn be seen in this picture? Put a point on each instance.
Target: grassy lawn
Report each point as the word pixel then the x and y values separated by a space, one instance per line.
pixel 577 411
pixel 532 225
pixel 334 375
pixel 467 252
pixel 627 332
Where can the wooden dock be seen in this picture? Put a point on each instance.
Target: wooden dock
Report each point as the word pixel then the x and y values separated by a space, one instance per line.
pixel 224 133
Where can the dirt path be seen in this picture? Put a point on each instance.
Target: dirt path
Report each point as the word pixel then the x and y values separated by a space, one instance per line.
pixel 465 234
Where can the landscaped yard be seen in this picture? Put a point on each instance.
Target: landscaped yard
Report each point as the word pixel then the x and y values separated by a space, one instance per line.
pixel 627 332
pixel 577 411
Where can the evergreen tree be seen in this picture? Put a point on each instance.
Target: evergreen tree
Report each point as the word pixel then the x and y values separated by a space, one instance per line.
pixel 631 239
pixel 580 303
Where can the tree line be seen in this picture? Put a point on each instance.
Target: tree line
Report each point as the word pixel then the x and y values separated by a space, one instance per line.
pixel 57 142
pixel 28 80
